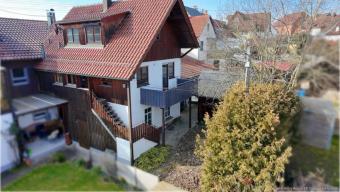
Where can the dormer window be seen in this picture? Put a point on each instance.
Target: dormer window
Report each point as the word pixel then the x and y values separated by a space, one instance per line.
pixel 73 35
pixel 93 34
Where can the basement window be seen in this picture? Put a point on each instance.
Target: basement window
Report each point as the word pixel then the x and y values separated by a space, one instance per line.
pixel 19 76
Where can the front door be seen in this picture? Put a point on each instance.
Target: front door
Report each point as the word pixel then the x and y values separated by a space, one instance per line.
pixel 165 77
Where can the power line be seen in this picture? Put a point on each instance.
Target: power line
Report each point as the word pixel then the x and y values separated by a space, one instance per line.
pixel 13 12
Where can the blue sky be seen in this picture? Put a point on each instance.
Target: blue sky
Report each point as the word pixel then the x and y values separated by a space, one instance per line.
pixel 36 9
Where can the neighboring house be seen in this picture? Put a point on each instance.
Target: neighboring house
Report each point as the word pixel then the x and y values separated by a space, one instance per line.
pixel 247 23
pixel 119 66
pixel 192 68
pixel 204 30
pixel 37 115
pixel 326 26
pixel 291 24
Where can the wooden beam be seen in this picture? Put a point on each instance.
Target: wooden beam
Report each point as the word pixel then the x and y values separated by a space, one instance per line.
pixel 186 53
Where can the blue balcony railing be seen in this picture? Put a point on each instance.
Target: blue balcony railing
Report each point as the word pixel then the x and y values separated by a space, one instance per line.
pixel 166 98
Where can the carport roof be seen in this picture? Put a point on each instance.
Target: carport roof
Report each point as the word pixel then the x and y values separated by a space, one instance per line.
pixel 35 102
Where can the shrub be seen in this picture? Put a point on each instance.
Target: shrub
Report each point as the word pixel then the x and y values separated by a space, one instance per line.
pixel 81 163
pixel 243 148
pixel 58 157
pixel 153 158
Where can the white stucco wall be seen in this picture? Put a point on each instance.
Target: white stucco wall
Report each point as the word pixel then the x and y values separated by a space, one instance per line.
pixel 122 112
pixel 208 32
pixel 9 155
pixel 155 82
pixel 27 119
pixel 139 147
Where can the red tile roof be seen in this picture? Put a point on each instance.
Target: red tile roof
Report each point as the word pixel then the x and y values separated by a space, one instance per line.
pixel 283 66
pixel 22 39
pixel 198 23
pixel 249 22
pixel 193 68
pixel 126 49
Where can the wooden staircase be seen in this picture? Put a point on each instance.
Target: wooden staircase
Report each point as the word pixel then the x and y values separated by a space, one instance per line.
pixel 105 111
pixel 117 128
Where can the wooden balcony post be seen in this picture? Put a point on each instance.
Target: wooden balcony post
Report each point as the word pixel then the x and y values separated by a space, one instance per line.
pixel 189 112
pixel 163 128
pixel 130 122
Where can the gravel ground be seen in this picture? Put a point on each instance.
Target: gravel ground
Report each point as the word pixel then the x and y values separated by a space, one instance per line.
pixel 183 167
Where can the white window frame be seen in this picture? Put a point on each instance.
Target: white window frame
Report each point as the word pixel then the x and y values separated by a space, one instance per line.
pixel 146 115
pixel 23 80
pixel 167 113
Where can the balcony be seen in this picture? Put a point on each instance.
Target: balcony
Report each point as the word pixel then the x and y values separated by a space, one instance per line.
pixel 166 98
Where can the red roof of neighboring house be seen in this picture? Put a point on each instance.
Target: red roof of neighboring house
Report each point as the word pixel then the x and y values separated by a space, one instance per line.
pixel 198 23
pixel 279 65
pixel 249 22
pixel 192 67
pixel 128 46
pixel 22 39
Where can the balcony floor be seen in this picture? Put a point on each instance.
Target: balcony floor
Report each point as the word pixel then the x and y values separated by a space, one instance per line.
pixel 181 126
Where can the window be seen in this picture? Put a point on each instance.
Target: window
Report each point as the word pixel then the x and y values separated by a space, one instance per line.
pixel 58 78
pixel 171 70
pixel 142 76
pixel 201 45
pixel 217 64
pixel 39 116
pixel 93 34
pixel 84 82
pixel 73 36
pixel 71 79
pixel 208 27
pixel 19 76
pixel 106 82
pixel 148 116
pixel 167 113
pixel 158 37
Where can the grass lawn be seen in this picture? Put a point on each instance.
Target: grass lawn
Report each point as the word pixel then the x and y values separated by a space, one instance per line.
pixel 62 177
pixel 308 159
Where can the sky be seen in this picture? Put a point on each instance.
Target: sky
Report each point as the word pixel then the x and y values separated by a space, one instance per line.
pixel 36 9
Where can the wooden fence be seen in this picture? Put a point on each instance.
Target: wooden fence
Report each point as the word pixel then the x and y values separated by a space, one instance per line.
pixel 147 131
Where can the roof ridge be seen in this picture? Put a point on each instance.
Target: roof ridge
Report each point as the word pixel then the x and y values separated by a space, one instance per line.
pixel 24 19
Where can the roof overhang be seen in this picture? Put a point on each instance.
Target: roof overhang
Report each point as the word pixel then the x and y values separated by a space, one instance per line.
pixel 35 103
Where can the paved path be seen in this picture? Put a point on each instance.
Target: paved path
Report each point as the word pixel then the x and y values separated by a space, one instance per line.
pixel 164 186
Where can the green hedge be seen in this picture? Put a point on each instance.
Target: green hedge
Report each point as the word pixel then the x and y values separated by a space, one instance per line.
pixel 153 158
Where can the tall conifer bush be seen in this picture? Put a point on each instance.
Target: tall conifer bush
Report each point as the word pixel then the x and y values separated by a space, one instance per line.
pixel 244 146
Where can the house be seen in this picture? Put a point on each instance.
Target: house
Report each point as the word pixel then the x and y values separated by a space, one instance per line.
pixel 247 23
pixel 119 65
pixel 192 68
pixel 290 24
pixel 326 26
pixel 38 116
pixel 204 31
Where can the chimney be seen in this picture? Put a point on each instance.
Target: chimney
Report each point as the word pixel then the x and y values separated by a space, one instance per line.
pixel 106 5
pixel 50 17
pixel 205 12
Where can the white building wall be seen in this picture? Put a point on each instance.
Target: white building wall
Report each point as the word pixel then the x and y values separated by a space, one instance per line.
pixel 122 112
pixel 28 119
pixel 9 156
pixel 208 32
pixel 155 82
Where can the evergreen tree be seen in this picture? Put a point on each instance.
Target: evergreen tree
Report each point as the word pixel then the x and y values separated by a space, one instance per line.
pixel 244 148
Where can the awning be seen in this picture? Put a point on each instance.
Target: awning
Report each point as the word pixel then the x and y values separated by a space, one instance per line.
pixel 35 103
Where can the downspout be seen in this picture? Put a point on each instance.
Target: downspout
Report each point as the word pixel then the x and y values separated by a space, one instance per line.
pixel 130 122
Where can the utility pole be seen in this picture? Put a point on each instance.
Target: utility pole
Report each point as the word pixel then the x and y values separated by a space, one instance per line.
pixel 247 67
